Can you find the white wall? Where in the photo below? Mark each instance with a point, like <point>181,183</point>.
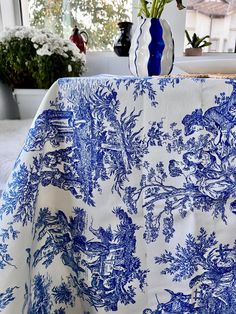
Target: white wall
<point>203,24</point>
<point>191,20</point>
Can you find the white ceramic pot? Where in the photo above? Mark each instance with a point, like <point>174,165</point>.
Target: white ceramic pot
<point>28,101</point>
<point>152,48</point>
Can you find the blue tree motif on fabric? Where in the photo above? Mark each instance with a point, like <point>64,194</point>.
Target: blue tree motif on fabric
<point>209,267</point>
<point>120,147</point>
<point>21,194</point>
<point>62,294</point>
<point>5,258</point>
<point>40,298</point>
<point>140,87</point>
<point>9,233</point>
<point>164,82</point>
<point>109,259</point>
<point>207,166</point>
<point>6,297</point>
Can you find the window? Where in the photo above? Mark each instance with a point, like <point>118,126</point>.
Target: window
<point>98,18</point>
<point>102,25</point>
<point>1,23</point>
<point>216,18</point>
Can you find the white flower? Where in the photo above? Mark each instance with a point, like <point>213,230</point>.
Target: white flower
<point>44,51</point>
<point>39,39</point>
<point>45,42</point>
<point>47,53</point>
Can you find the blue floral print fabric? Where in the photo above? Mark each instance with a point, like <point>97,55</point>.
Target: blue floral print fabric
<point>123,200</point>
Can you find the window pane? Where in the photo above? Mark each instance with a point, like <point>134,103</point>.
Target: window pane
<point>216,18</point>
<point>1,23</point>
<point>98,18</point>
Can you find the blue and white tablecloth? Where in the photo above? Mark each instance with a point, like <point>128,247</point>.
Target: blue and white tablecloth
<point>123,200</point>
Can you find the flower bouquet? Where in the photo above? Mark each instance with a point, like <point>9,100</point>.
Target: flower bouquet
<point>35,58</point>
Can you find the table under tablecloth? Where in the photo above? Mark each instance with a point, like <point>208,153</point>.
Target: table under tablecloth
<point>123,200</point>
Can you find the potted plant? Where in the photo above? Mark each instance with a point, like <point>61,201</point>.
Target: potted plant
<point>152,46</point>
<point>35,58</point>
<point>197,44</point>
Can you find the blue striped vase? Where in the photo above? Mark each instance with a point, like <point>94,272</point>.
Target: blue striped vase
<point>152,48</point>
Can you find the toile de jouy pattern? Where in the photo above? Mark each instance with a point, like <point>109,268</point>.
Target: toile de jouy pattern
<point>123,200</point>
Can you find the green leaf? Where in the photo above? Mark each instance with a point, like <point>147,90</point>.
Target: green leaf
<point>188,37</point>
<point>205,44</point>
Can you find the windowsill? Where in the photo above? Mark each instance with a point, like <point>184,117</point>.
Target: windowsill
<point>208,63</point>
<point>108,62</point>
<point>209,56</point>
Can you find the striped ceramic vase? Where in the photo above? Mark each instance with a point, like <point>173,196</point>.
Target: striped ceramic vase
<point>152,48</point>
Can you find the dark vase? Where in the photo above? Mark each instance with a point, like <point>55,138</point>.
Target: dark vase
<point>122,44</point>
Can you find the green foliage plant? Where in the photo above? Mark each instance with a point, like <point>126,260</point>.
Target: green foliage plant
<point>197,42</point>
<point>34,58</point>
<point>154,8</point>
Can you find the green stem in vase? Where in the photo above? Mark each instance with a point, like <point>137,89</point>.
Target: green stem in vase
<point>153,8</point>
<point>161,8</point>
<point>157,8</point>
